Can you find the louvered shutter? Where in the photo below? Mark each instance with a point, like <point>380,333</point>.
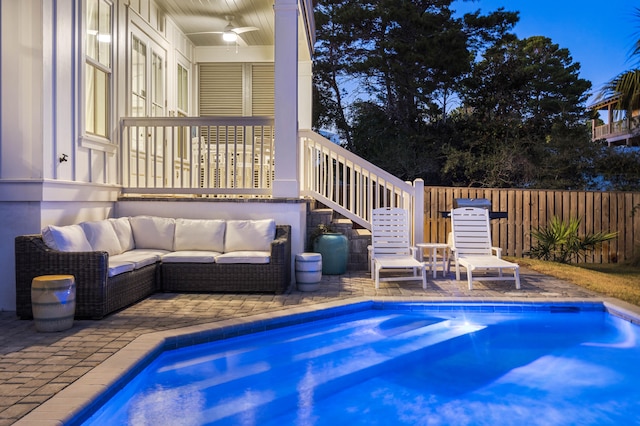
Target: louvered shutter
<point>262,96</point>
<point>220,89</point>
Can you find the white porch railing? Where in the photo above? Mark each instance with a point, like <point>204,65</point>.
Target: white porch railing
<point>354,187</point>
<point>612,129</point>
<point>234,156</point>
<point>220,156</point>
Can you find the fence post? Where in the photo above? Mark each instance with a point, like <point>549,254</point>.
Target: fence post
<point>418,211</point>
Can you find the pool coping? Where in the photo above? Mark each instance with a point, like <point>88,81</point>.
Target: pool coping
<point>72,403</point>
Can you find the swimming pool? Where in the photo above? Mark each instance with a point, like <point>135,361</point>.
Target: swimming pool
<point>400,363</point>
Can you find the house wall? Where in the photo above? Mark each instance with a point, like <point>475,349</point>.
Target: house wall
<point>38,124</point>
<point>41,102</point>
<point>42,107</point>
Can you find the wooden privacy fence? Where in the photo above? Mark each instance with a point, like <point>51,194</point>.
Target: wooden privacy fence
<point>533,209</point>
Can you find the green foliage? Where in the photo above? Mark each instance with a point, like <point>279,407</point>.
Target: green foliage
<point>524,125</point>
<point>619,168</point>
<point>386,74</point>
<point>559,241</point>
<point>321,229</point>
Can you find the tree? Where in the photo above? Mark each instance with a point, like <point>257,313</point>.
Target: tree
<point>524,120</point>
<point>406,58</point>
<point>619,168</point>
<point>332,66</point>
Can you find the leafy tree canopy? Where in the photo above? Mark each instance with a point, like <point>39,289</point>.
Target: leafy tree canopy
<point>388,74</point>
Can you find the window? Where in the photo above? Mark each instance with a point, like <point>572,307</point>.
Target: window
<point>157,85</point>
<point>182,86</point>
<point>138,78</point>
<point>183,90</point>
<point>98,68</point>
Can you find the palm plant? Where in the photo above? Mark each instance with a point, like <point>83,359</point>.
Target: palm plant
<point>559,241</point>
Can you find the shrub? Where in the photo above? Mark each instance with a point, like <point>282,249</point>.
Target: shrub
<point>560,242</point>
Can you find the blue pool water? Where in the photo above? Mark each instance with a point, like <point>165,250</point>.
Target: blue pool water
<point>399,366</point>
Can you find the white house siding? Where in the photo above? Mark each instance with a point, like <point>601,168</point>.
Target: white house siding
<point>42,105</point>
<point>39,122</point>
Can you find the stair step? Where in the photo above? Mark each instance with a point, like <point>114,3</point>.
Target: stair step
<point>325,372</point>
<point>361,233</point>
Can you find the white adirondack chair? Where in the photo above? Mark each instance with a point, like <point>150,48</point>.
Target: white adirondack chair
<point>472,248</point>
<point>391,246</point>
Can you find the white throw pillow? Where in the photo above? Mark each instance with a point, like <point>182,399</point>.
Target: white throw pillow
<point>66,238</point>
<point>102,236</point>
<point>122,227</point>
<point>199,234</point>
<point>249,235</point>
<point>153,232</point>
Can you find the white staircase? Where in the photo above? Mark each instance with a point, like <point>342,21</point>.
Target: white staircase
<point>346,188</point>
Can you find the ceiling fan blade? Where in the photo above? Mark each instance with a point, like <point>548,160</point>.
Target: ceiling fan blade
<point>204,32</point>
<point>241,30</point>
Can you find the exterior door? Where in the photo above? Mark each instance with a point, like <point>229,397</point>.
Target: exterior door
<point>147,99</point>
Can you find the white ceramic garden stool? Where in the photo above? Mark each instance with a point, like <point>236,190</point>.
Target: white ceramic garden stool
<point>53,302</point>
<point>308,271</point>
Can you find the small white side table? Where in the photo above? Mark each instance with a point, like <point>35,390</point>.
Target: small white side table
<point>308,271</point>
<point>433,256</point>
<point>53,302</point>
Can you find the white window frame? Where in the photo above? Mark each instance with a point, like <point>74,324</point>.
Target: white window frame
<point>183,112</point>
<point>89,140</point>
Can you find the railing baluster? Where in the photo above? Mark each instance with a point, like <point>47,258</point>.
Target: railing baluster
<point>348,184</point>
<point>204,155</point>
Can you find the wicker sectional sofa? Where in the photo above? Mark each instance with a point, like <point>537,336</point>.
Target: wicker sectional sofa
<point>117,262</point>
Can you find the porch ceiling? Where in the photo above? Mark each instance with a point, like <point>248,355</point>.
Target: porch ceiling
<point>198,16</point>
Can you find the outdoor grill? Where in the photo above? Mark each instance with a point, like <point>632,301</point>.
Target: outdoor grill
<point>482,203</point>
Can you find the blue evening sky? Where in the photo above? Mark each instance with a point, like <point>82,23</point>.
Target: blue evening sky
<point>599,34</point>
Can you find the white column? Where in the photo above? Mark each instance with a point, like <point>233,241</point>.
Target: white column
<point>286,183</point>
<point>418,212</point>
<point>305,94</point>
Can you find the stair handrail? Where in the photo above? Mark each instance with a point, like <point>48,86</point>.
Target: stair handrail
<point>352,186</point>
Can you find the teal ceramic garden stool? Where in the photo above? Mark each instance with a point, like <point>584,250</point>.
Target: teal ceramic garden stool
<point>334,249</point>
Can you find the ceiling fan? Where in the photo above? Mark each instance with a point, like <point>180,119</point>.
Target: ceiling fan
<point>230,33</point>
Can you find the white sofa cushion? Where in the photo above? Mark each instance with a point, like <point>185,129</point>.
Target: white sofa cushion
<point>102,236</point>
<point>117,267</point>
<point>139,257</point>
<point>66,238</point>
<point>244,257</point>
<point>122,227</point>
<point>199,234</point>
<point>249,235</point>
<point>151,232</point>
<point>190,256</point>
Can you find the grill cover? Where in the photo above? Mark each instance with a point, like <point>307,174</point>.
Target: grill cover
<point>482,203</point>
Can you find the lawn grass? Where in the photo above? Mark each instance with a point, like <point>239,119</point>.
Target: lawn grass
<point>621,281</point>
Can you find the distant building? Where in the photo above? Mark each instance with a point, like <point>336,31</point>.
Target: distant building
<point>618,128</point>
